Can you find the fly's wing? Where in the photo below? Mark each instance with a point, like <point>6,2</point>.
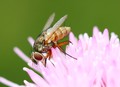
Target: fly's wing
<point>50,31</point>
<point>49,22</point>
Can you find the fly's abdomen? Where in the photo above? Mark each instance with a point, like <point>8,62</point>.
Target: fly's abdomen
<point>60,33</point>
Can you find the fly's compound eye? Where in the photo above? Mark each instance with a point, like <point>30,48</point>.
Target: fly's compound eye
<point>36,57</point>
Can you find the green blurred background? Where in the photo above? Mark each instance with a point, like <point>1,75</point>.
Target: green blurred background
<point>22,18</point>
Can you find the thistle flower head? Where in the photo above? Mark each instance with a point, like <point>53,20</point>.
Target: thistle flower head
<point>97,64</point>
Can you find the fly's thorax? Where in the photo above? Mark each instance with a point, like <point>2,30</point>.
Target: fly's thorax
<point>38,47</point>
<point>39,43</point>
<point>41,46</point>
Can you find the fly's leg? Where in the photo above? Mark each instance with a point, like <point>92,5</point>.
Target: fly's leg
<point>64,43</point>
<point>49,54</point>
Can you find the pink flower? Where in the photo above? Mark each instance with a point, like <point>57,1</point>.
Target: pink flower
<point>97,64</point>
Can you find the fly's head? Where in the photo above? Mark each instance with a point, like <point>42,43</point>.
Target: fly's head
<point>36,56</point>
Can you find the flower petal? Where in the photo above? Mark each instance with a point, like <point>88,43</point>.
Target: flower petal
<point>21,54</point>
<point>9,83</point>
<point>31,41</point>
<point>36,78</point>
<point>28,84</point>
